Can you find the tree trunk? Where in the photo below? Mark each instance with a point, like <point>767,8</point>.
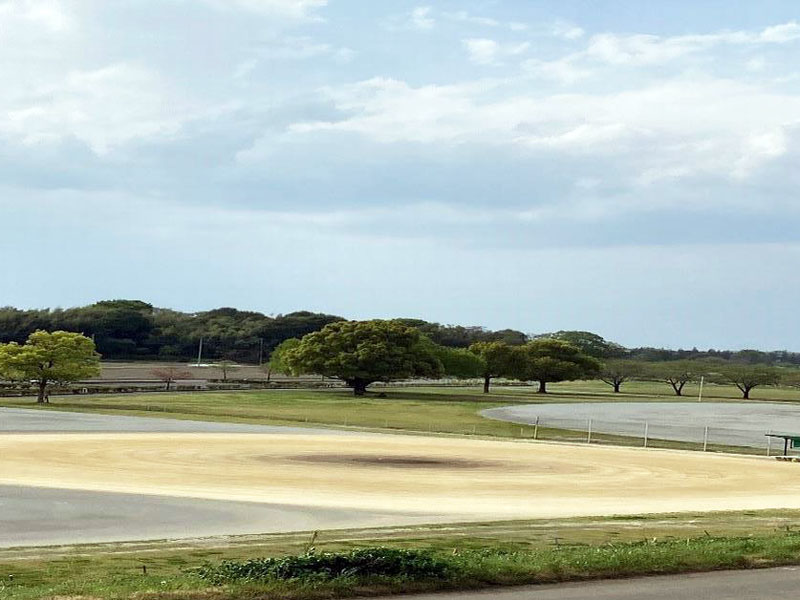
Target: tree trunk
<point>542,387</point>
<point>42,391</point>
<point>486,381</point>
<point>616,387</point>
<point>359,387</point>
<point>746,393</point>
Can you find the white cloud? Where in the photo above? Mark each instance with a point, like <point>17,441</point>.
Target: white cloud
<point>642,49</point>
<point>421,18</point>
<point>49,14</point>
<point>293,9</point>
<point>567,31</point>
<point>677,128</point>
<point>466,17</point>
<point>102,108</point>
<point>483,51</point>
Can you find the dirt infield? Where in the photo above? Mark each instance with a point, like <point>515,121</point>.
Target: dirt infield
<point>454,479</point>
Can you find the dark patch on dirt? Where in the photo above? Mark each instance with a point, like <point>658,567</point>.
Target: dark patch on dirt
<point>371,460</point>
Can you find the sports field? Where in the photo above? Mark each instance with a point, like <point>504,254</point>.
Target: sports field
<point>365,479</point>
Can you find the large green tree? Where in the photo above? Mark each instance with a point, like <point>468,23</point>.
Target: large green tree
<point>748,377</point>
<point>459,363</point>
<point>589,343</point>
<point>45,357</point>
<point>497,359</point>
<point>549,360</point>
<point>363,352</point>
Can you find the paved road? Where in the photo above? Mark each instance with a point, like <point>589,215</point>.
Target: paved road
<point>766,584</point>
<point>22,420</point>
<point>732,423</point>
<point>42,516</point>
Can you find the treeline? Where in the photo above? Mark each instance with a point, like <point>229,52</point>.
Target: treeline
<point>136,330</point>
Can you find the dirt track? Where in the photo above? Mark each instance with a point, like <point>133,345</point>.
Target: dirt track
<point>450,478</point>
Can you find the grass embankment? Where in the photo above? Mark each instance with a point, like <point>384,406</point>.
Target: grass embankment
<point>448,410</point>
<point>479,555</point>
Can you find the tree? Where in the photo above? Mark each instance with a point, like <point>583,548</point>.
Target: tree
<point>60,356</point>
<point>496,357</point>
<point>617,372</point>
<point>747,377</point>
<point>589,343</point>
<point>171,374</point>
<point>363,352</point>
<point>277,360</point>
<point>458,362</point>
<point>226,366</point>
<point>677,373</point>
<point>549,360</point>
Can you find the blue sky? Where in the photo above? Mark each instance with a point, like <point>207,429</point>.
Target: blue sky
<point>625,167</point>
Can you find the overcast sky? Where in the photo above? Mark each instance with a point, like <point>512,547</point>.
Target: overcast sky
<point>625,167</point>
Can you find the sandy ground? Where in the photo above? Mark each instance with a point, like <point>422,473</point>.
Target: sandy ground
<point>454,479</point>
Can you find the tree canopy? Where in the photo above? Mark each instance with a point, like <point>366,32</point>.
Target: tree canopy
<point>45,357</point>
<point>748,377</point>
<point>548,360</point>
<point>363,352</point>
<point>617,371</point>
<point>496,361</point>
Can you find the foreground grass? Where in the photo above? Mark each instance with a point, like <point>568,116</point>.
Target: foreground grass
<point>483,554</point>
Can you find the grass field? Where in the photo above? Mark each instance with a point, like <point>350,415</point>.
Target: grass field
<point>432,409</point>
<point>493,553</point>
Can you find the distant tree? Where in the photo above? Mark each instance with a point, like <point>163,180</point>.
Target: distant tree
<point>677,373</point>
<point>59,357</point>
<point>791,377</point>
<point>277,360</point>
<point>459,363</point>
<point>589,343</point>
<point>363,352</point>
<point>616,372</point>
<point>497,361</point>
<point>748,377</point>
<point>227,366</point>
<point>170,375</point>
<point>549,360</point>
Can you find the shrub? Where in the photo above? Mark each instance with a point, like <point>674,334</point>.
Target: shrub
<point>364,562</point>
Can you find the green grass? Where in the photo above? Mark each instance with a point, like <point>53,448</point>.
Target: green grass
<point>435,410</point>
<point>500,553</point>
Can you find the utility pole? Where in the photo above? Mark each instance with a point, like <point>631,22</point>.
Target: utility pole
<point>200,352</point>
<point>700,395</point>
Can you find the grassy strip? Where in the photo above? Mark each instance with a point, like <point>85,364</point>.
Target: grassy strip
<point>494,553</point>
<point>463,569</point>
<point>418,410</point>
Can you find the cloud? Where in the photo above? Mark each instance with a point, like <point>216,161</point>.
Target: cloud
<point>293,9</point>
<point>567,31</point>
<point>642,49</point>
<point>49,14</point>
<point>102,108</point>
<point>465,17</point>
<point>421,18</point>
<point>483,51</point>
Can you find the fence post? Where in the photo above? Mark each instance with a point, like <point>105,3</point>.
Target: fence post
<point>536,429</point>
<point>705,439</point>
<point>589,433</point>
<point>769,441</point>
<point>646,424</point>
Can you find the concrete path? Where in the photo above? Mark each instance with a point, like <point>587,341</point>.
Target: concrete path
<point>24,420</point>
<point>41,516</point>
<point>730,423</point>
<point>766,584</point>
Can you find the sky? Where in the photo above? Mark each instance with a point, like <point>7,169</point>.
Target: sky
<point>618,166</point>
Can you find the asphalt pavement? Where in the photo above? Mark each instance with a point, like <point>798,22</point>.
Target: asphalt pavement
<point>730,423</point>
<point>762,584</point>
